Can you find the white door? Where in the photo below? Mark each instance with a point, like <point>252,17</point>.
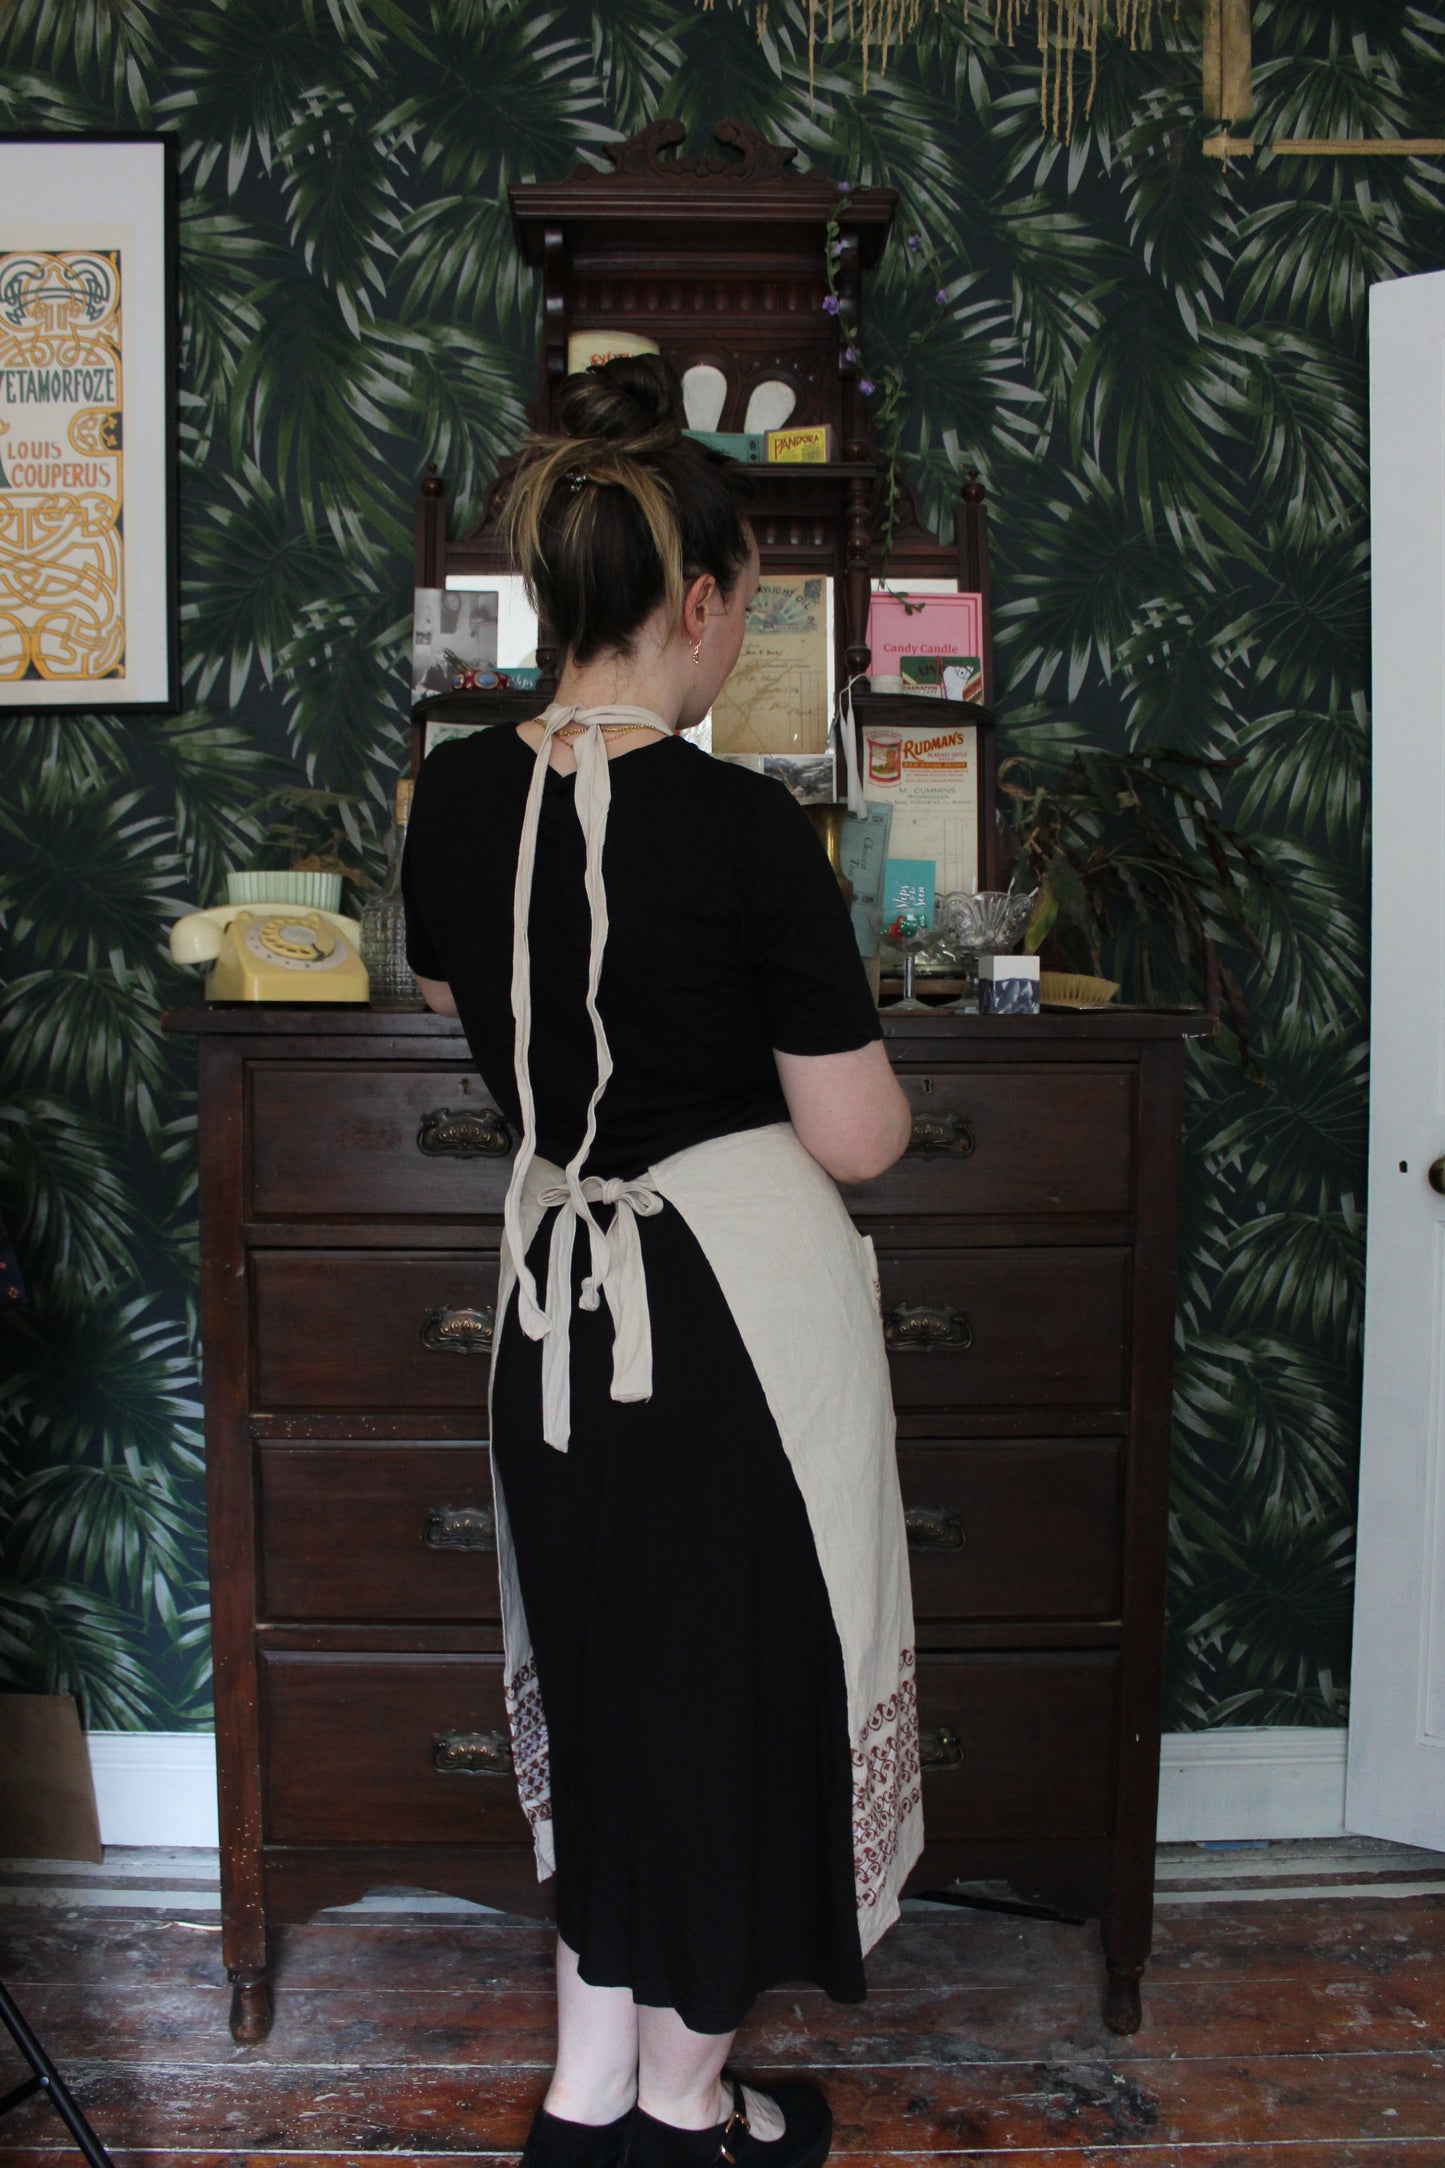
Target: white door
<point>1396,1773</point>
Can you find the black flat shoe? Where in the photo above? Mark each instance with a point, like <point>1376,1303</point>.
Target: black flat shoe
<point>806,2136</point>
<point>553,2142</point>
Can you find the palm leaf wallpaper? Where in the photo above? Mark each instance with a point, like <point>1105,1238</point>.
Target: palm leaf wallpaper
<point>1158,364</point>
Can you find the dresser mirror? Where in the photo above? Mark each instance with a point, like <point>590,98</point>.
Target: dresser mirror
<point>718,261</point>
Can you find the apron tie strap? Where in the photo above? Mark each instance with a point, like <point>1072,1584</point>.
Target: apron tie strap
<point>617,1274</point>
<point>847,728</point>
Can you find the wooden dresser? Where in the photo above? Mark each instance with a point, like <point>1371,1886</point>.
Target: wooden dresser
<point>353,1169</point>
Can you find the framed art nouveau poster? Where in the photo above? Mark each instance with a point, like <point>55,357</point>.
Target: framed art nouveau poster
<point>87,423</point>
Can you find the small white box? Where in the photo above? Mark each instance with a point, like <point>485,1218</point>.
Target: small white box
<point>1008,967</point>
<point>1008,985</point>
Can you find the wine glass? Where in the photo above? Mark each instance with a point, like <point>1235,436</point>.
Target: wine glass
<point>987,922</point>
<point>907,932</point>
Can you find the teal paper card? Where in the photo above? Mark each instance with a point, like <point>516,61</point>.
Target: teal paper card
<point>908,892</point>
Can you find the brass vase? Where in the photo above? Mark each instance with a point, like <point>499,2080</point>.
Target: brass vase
<point>828,821</point>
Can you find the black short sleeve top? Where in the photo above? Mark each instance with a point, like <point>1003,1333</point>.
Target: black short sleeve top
<point>727,937</point>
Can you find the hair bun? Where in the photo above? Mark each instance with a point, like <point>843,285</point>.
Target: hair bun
<point>633,402</point>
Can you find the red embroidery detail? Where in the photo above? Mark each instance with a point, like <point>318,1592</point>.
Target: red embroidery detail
<point>887,1778</point>
<point>529,1744</point>
<point>887,1783</point>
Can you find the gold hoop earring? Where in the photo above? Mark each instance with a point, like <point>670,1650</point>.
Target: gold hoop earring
<point>697,655</point>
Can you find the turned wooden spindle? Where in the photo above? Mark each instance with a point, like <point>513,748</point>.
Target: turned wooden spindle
<point>857,548</point>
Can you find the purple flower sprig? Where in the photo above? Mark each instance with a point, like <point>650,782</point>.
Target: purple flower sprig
<point>888,390</point>
<point>918,252</point>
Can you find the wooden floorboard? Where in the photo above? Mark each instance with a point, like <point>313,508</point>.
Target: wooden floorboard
<point>1021,2106</point>
<point>1289,2034</point>
<point>1386,2153</point>
<point>898,2027</point>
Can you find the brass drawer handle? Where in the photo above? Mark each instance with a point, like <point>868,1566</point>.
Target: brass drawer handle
<point>939,1749</point>
<point>460,1528</point>
<point>464,1133</point>
<point>459,1332</point>
<point>472,1754</point>
<point>930,1528</point>
<point>919,1327</point>
<point>940,1136</point>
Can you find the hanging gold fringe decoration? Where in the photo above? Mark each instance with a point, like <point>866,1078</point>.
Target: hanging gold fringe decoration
<point>1065,28</point>
<point>880,23</point>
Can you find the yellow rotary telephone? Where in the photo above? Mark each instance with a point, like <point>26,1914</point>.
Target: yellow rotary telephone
<point>273,952</point>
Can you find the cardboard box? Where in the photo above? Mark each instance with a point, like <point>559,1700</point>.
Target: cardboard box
<point>811,447</point>
<point>47,1796</point>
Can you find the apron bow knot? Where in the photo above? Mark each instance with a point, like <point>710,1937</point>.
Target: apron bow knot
<point>616,1252</point>
<point>617,1272</point>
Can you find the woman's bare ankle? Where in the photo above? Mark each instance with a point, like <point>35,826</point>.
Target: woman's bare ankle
<point>702,2108</point>
<point>595,2104</point>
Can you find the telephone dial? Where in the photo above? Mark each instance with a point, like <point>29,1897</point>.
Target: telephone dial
<point>273,952</point>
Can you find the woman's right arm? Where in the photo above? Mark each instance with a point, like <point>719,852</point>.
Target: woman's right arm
<point>848,1109</point>
<point>842,1097</point>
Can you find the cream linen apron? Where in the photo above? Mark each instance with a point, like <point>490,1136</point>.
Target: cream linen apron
<point>802,1286</point>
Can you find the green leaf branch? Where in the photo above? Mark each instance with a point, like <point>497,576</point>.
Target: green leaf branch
<point>1135,868</point>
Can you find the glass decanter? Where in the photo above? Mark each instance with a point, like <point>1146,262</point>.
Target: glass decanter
<point>390,978</point>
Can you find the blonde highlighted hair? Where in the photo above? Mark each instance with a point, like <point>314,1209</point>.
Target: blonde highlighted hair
<point>620,511</point>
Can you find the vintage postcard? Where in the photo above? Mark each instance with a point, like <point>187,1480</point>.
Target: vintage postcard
<point>930,779</point>
<point>777,699</point>
<point>916,623</point>
<point>452,633</point>
<point>809,776</point>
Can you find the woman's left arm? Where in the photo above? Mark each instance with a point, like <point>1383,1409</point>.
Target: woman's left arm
<point>428,965</point>
<point>436,994</point>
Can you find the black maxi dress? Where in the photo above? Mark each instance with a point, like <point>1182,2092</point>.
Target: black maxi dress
<point>687,1657</point>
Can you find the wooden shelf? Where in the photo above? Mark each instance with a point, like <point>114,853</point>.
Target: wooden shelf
<point>831,470</point>
<point>496,706</point>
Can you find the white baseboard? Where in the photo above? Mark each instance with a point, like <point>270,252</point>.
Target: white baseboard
<point>1272,1781</point>
<point>155,1787</point>
<point>159,1787</point>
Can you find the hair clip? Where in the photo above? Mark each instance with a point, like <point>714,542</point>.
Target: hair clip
<point>577,477</point>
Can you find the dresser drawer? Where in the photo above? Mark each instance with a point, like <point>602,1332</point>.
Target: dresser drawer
<point>1018,1746</point>
<point>1045,1139</point>
<point>1007,1327</point>
<point>1024,1529</point>
<point>375,1140</point>
<point>357,1531</point>
<point>387,1750</point>
<point>385,1328</point>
